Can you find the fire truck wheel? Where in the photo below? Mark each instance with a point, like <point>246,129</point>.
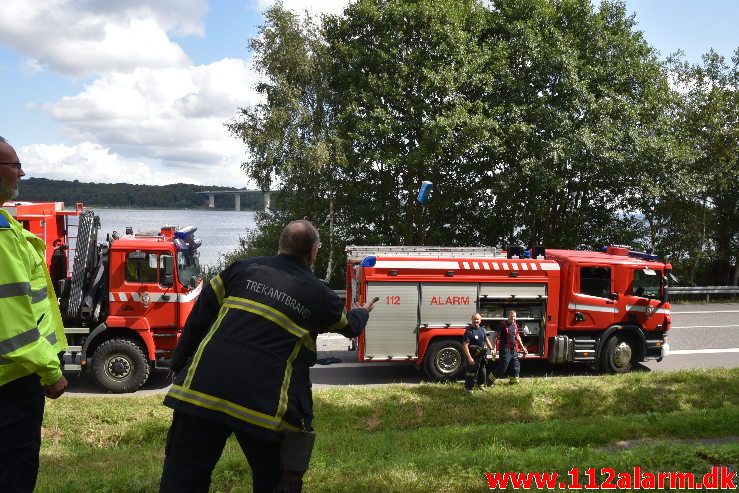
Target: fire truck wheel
<point>120,365</point>
<point>618,354</point>
<point>444,360</point>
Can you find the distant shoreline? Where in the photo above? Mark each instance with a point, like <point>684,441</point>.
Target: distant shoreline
<point>145,197</point>
<point>158,208</point>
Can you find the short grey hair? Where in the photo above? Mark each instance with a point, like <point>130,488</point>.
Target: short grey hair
<point>298,238</point>
<point>2,139</point>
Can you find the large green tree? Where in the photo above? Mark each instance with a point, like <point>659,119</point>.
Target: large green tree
<point>582,92</point>
<point>538,121</point>
<point>704,212</point>
<point>408,76</point>
<point>531,118</point>
<point>291,141</point>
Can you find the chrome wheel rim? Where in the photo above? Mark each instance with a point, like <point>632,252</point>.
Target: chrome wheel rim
<point>622,355</point>
<point>448,360</point>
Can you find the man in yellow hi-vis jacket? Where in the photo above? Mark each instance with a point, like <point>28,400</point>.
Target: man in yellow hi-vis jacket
<point>31,337</point>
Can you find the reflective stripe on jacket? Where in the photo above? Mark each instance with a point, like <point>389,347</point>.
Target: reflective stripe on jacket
<point>31,329</point>
<point>244,354</point>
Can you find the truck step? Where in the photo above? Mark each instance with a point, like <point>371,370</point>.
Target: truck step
<point>162,363</point>
<point>73,349</point>
<point>76,330</point>
<point>71,367</point>
<point>584,355</point>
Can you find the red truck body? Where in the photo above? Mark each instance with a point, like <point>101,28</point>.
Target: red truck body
<point>125,301</point>
<point>607,309</point>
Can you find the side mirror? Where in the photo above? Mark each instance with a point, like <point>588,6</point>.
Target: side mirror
<point>167,266</point>
<point>193,283</point>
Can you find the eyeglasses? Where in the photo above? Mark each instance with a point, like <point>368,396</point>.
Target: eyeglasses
<point>16,166</point>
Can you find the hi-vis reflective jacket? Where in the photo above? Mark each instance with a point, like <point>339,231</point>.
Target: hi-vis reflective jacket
<point>244,354</point>
<point>31,330</point>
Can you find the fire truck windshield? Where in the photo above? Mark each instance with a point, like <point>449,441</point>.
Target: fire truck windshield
<point>188,267</point>
<point>647,283</point>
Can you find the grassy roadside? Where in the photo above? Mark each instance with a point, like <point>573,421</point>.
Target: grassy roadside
<point>427,438</point>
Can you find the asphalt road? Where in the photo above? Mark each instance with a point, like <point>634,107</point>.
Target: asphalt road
<point>702,336</point>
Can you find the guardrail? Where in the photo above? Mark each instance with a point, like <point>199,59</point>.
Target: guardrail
<point>706,290</point>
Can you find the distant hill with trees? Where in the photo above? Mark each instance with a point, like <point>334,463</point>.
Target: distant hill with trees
<point>177,196</point>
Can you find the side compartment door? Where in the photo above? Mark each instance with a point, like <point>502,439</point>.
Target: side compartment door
<point>447,304</point>
<point>392,330</point>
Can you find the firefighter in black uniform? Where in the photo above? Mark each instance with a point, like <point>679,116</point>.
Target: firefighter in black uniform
<point>510,343</point>
<point>241,366</point>
<point>474,344</point>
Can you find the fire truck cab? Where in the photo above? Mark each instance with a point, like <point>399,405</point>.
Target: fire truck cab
<point>123,301</point>
<point>606,309</point>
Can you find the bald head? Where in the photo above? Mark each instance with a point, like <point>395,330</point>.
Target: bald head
<point>299,239</point>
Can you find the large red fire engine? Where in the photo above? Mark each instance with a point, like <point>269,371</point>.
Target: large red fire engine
<point>607,309</point>
<point>124,301</point>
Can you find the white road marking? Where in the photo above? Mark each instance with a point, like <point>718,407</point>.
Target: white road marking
<point>704,326</point>
<point>704,351</point>
<point>704,313</point>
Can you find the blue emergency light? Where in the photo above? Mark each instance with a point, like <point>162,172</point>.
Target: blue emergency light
<point>424,192</point>
<point>185,239</point>
<point>369,261</point>
<point>643,255</point>
<point>185,232</point>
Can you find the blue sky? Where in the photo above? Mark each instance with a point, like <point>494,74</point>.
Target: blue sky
<point>138,91</point>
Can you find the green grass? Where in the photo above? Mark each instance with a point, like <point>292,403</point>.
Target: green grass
<point>427,438</point>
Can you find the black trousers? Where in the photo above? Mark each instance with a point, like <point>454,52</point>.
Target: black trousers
<point>194,446</point>
<point>21,414</point>
<point>508,363</point>
<point>475,373</point>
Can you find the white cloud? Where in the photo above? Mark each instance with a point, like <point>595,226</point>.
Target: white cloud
<point>312,6</point>
<point>90,162</point>
<point>31,66</point>
<point>82,37</point>
<point>175,115</point>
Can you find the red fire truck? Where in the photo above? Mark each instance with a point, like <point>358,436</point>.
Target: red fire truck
<point>123,301</point>
<point>607,309</point>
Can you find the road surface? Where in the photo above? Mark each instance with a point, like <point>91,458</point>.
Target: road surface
<point>702,336</point>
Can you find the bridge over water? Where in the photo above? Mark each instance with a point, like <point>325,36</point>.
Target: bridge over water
<point>237,196</point>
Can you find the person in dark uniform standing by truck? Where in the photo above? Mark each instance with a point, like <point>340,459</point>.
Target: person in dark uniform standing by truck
<point>510,344</point>
<point>241,366</point>
<point>474,344</point>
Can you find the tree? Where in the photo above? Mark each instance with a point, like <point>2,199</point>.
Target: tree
<point>531,118</point>
<point>705,235</point>
<point>290,137</point>
<point>581,92</point>
<point>407,76</point>
<point>537,121</point>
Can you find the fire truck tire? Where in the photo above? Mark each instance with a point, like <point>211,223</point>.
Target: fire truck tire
<point>618,354</point>
<point>120,365</point>
<point>444,360</point>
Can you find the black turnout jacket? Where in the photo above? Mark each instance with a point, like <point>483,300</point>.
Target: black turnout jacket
<point>244,354</point>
